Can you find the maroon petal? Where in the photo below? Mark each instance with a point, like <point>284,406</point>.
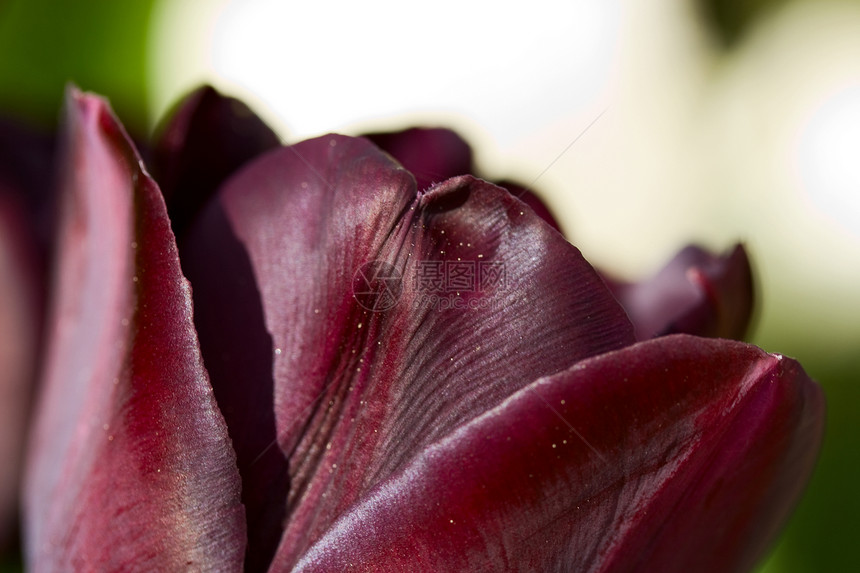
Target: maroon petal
<point>372,357</point>
<point>25,208</point>
<point>26,156</point>
<point>237,349</point>
<point>695,293</point>
<point>20,316</point>
<point>431,154</point>
<point>529,197</point>
<point>434,154</point>
<point>678,454</point>
<point>130,465</point>
<point>26,172</point>
<point>206,139</point>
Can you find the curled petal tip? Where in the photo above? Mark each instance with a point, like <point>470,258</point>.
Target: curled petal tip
<point>695,293</point>
<point>207,138</point>
<point>431,154</point>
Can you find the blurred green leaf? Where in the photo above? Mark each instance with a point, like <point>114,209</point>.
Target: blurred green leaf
<point>99,44</point>
<point>730,20</point>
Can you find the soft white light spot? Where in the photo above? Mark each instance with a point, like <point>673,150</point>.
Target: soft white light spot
<point>829,158</point>
<point>321,66</point>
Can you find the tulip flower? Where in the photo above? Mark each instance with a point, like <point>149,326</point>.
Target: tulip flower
<point>25,160</point>
<point>696,293</point>
<point>374,376</point>
<point>435,154</point>
<point>18,334</point>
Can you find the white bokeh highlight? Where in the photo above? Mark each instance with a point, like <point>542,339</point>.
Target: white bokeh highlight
<point>324,66</point>
<point>829,158</point>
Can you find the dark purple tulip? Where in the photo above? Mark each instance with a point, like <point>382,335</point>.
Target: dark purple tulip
<point>528,197</point>
<point>26,171</point>
<point>434,154</point>
<point>130,466</point>
<point>208,137</point>
<point>25,211</point>
<point>401,380</point>
<point>695,293</point>
<point>430,154</point>
<point>19,331</point>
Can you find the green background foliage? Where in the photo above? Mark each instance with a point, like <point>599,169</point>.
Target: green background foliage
<point>101,45</point>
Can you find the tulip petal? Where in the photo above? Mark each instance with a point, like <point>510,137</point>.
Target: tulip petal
<point>677,454</point>
<point>528,197</point>
<point>206,139</point>
<point>26,169</point>
<point>237,350</point>
<point>130,466</point>
<point>431,154</point>
<point>372,356</point>
<point>434,154</point>
<point>695,293</point>
<point>26,156</point>
<point>19,319</point>
<point>25,208</point>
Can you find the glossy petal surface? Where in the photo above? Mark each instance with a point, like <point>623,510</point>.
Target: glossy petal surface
<point>431,154</point>
<point>130,465</point>
<point>434,154</point>
<point>695,293</point>
<point>678,454</point>
<point>528,197</point>
<point>373,358</point>
<point>206,139</point>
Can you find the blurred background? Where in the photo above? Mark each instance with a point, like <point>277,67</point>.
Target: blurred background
<point>645,125</point>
